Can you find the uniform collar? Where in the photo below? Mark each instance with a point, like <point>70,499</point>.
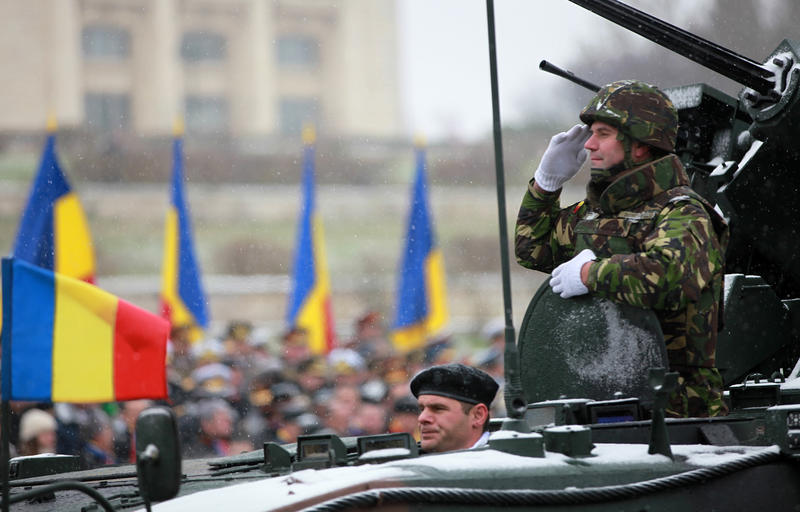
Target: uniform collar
<point>482,441</point>
<point>640,184</point>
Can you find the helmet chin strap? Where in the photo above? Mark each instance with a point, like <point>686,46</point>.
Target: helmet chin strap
<point>627,147</point>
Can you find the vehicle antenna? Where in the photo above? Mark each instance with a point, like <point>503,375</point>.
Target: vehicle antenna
<point>5,409</point>
<point>515,403</point>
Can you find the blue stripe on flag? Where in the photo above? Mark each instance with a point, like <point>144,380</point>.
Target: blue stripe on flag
<point>190,288</point>
<point>34,242</point>
<point>412,297</point>
<point>33,309</point>
<point>304,271</point>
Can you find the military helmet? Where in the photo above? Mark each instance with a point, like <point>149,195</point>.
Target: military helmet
<point>637,109</point>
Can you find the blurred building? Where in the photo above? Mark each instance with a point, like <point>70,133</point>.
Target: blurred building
<point>239,68</point>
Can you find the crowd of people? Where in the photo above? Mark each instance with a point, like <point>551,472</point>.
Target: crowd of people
<point>232,394</point>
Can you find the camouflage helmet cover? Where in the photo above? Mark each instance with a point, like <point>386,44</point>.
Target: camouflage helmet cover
<point>637,109</point>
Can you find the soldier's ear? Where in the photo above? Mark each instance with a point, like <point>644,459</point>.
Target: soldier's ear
<point>478,414</point>
<point>639,151</point>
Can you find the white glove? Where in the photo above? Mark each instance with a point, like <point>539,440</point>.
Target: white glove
<point>566,278</point>
<point>563,158</point>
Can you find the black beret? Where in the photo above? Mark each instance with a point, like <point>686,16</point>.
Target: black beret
<point>458,381</point>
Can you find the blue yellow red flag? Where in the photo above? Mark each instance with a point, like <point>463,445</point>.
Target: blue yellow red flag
<point>65,340</point>
<point>310,298</point>
<point>183,300</point>
<point>421,309</point>
<point>53,232</point>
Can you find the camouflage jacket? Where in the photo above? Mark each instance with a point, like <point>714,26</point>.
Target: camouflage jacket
<point>659,246</point>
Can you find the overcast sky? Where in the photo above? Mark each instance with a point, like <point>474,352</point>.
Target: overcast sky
<point>445,60</point>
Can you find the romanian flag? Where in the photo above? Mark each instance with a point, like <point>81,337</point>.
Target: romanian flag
<point>183,301</point>
<point>65,340</point>
<point>421,309</point>
<point>310,301</point>
<point>53,232</point>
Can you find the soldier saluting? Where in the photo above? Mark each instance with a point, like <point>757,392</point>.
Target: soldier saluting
<point>641,236</point>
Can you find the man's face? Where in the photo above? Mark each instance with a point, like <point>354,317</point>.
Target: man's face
<point>605,151</point>
<point>46,441</point>
<point>443,424</point>
<point>219,426</point>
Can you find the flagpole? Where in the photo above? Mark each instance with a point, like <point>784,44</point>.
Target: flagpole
<point>5,410</point>
<point>515,403</point>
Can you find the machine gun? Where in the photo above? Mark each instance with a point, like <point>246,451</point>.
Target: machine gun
<point>569,75</point>
<point>753,136</point>
<point>741,155</point>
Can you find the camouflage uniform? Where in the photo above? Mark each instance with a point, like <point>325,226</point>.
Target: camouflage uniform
<point>659,246</point>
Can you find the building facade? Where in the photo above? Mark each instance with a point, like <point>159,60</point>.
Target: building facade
<point>234,68</point>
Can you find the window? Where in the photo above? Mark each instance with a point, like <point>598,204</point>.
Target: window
<point>206,114</point>
<point>200,46</point>
<point>298,51</point>
<point>106,42</point>
<point>297,112</point>
<point>107,113</point>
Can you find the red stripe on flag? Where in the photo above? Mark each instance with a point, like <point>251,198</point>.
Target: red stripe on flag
<point>166,310</point>
<point>140,354</point>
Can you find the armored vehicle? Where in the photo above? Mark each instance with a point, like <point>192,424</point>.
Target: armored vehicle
<point>585,431</point>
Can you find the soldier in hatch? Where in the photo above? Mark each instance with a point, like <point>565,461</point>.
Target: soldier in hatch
<point>454,401</point>
<point>641,236</point>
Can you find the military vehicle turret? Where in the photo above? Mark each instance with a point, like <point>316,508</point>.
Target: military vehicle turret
<point>602,444</point>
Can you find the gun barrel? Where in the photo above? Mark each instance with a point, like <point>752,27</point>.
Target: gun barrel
<point>717,58</point>
<point>563,73</point>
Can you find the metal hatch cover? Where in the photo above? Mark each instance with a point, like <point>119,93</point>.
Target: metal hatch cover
<point>586,347</point>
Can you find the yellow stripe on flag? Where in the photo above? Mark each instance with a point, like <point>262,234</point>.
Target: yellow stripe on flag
<point>437,294</point>
<point>169,269</point>
<point>313,315</point>
<point>415,336</point>
<point>410,338</point>
<point>83,342</point>
<point>73,243</point>
<point>179,314</point>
